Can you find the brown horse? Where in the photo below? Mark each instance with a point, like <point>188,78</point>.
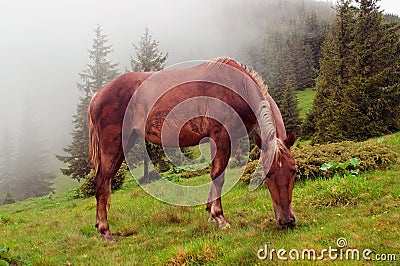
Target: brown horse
<point>221,100</point>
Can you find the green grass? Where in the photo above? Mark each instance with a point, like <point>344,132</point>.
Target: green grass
<point>305,99</point>
<point>63,183</point>
<point>58,230</point>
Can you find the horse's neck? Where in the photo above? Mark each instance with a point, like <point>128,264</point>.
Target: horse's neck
<point>279,125</point>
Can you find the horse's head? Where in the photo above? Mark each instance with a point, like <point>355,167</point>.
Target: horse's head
<point>280,181</point>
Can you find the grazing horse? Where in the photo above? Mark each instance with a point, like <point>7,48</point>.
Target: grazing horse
<point>225,93</point>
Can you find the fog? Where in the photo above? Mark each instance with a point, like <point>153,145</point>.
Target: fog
<point>44,45</point>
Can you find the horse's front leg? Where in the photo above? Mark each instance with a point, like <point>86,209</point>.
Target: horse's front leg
<point>221,149</point>
<point>214,204</point>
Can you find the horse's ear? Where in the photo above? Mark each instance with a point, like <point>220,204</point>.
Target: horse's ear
<point>291,138</point>
<point>257,139</point>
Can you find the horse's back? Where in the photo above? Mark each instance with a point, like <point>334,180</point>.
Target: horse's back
<point>109,103</point>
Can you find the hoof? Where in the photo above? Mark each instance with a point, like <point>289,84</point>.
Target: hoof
<point>222,223</point>
<point>108,237</point>
<point>226,227</point>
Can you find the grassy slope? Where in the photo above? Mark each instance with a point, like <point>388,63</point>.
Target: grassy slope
<point>58,230</point>
<point>305,99</point>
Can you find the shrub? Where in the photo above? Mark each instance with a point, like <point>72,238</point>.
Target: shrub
<point>235,163</point>
<point>151,177</point>
<point>87,187</point>
<point>254,153</point>
<point>195,173</point>
<point>248,171</point>
<point>372,155</point>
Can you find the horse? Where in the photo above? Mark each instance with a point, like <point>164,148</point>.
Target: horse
<point>225,93</point>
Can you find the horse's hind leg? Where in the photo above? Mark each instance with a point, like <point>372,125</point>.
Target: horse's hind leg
<point>111,156</point>
<point>221,149</point>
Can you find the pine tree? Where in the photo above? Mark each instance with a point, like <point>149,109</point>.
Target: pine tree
<point>372,97</point>
<point>358,87</point>
<point>147,58</point>
<point>323,121</point>
<point>301,58</point>
<point>282,82</point>
<point>7,161</point>
<point>31,177</point>
<point>96,75</point>
<point>314,36</point>
<point>289,105</point>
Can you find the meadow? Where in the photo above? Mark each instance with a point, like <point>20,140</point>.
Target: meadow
<point>336,218</point>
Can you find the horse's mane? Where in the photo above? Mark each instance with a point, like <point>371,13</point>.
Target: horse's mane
<point>257,78</point>
<point>264,113</point>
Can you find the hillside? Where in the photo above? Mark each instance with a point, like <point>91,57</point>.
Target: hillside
<point>59,230</point>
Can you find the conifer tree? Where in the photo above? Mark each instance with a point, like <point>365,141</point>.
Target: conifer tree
<point>7,161</point>
<point>288,105</point>
<point>358,89</point>
<point>301,59</point>
<point>148,57</point>
<point>282,82</point>
<point>97,74</point>
<point>373,95</point>
<point>322,123</point>
<point>31,175</point>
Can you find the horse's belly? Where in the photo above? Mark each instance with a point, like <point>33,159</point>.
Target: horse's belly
<point>176,132</point>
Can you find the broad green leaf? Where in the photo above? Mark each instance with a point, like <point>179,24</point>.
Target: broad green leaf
<point>380,140</point>
<point>344,165</point>
<point>355,171</point>
<point>326,166</point>
<point>354,161</point>
<point>4,263</point>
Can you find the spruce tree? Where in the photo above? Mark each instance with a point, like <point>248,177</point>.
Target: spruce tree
<point>31,177</point>
<point>97,74</point>
<point>7,161</point>
<point>301,58</point>
<point>373,95</point>
<point>147,58</point>
<point>322,121</point>
<point>282,82</point>
<point>288,105</point>
<point>358,87</point>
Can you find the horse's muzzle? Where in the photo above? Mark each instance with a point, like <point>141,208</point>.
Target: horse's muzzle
<point>289,224</point>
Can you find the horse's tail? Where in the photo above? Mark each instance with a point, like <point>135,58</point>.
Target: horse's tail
<point>93,141</point>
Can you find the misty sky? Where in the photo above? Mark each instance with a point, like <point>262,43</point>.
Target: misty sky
<point>44,45</point>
